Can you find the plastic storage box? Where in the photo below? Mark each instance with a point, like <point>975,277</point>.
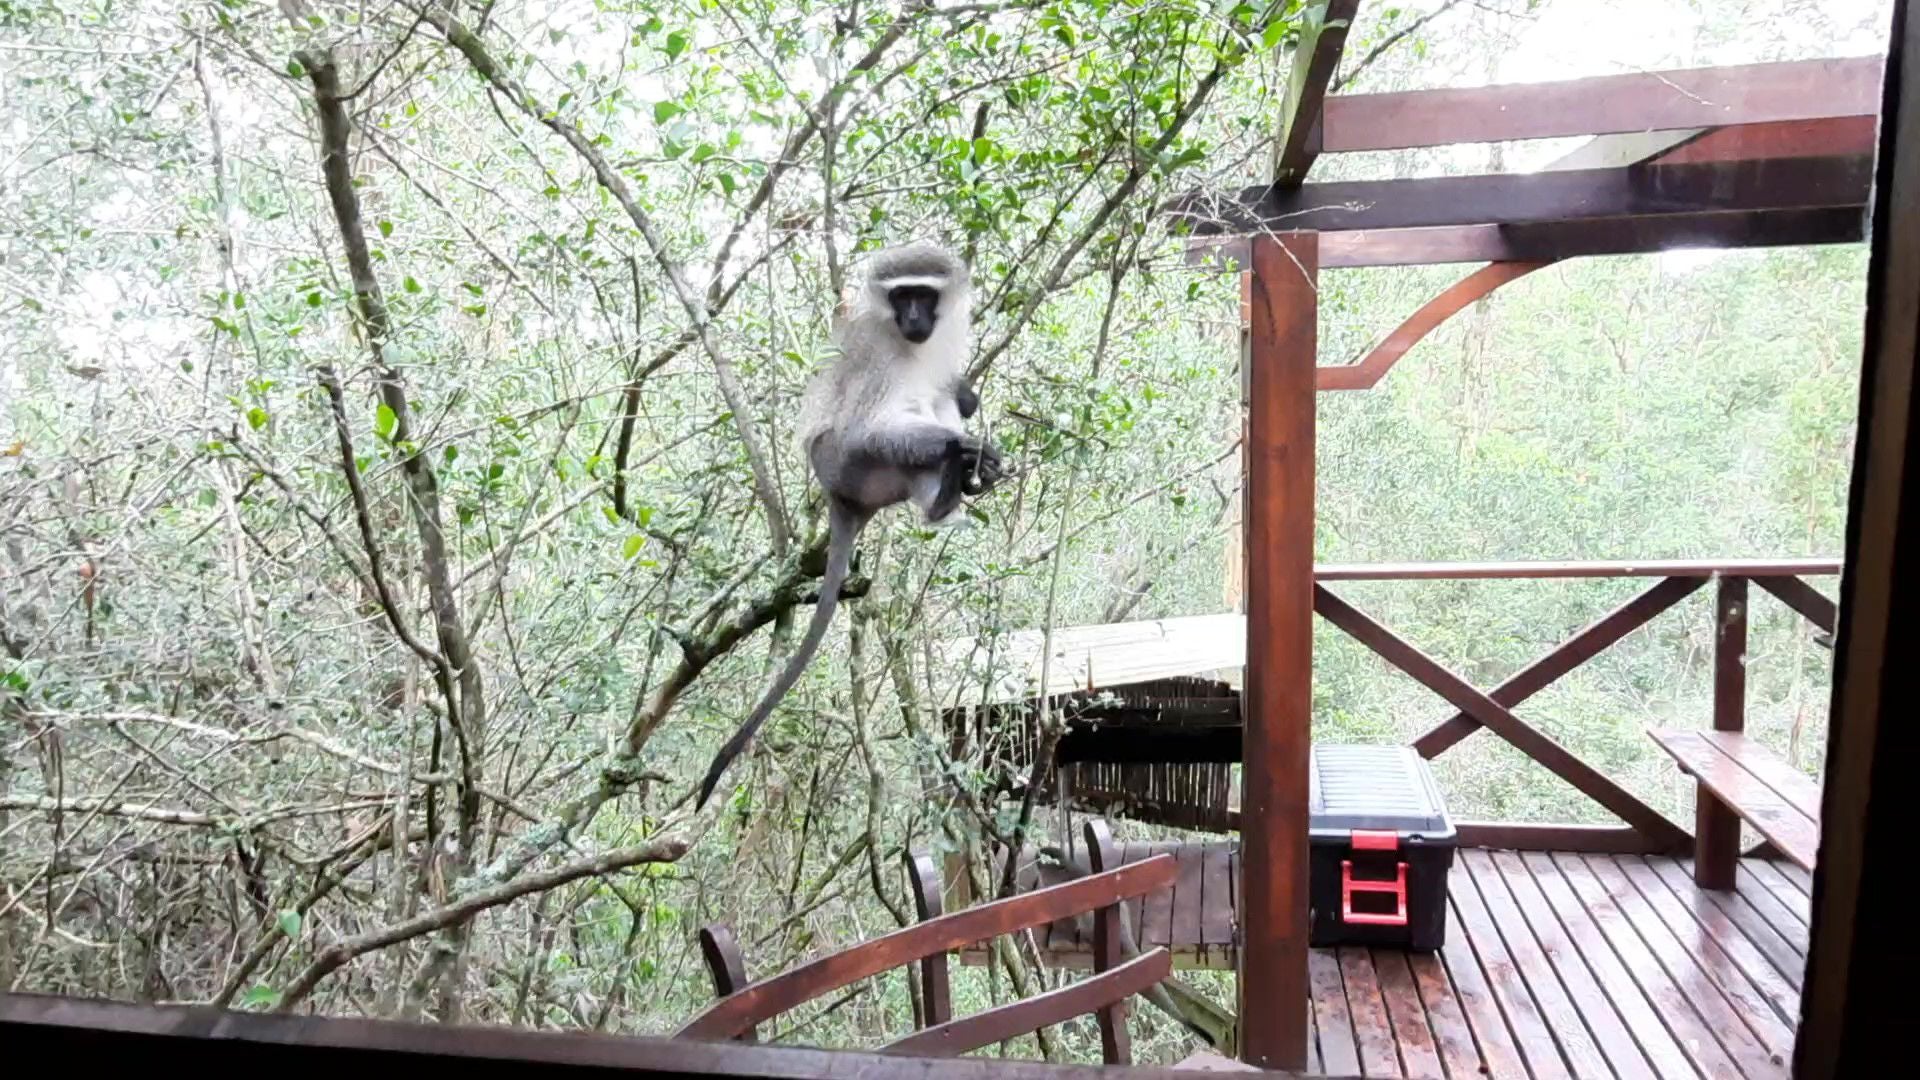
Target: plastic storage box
<point>1381,846</point>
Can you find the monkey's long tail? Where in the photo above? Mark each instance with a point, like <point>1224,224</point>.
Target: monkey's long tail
<point>843,529</point>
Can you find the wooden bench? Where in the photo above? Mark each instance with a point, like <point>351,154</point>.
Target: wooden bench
<point>1741,780</point>
<point>743,1006</point>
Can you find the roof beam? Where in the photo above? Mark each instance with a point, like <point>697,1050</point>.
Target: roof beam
<point>1561,239</point>
<point>1608,104</point>
<point>1834,137</point>
<point>1625,148</point>
<point>1322,38</point>
<point>1500,199</point>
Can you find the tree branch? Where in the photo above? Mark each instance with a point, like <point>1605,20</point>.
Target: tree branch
<point>334,956</point>
<point>758,460</point>
<point>467,709</point>
<point>1388,42</point>
<point>1230,59</point>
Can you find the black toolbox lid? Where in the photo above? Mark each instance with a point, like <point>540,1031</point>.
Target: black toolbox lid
<point>1373,787</point>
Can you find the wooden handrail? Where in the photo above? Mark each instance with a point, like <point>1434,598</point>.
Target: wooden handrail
<point>1471,571</point>
<point>731,1016</point>
<point>1053,1007</point>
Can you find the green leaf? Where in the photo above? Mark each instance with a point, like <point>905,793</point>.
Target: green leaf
<point>633,545</point>
<point>410,285</point>
<point>289,922</point>
<point>676,44</point>
<point>664,111</point>
<point>313,299</point>
<point>257,417</point>
<point>450,453</point>
<point>261,995</point>
<point>384,421</point>
<point>295,69</point>
<point>1276,31</point>
<point>386,227</point>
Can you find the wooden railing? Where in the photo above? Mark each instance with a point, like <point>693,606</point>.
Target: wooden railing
<point>743,1006</point>
<point>1646,829</point>
<point>202,1040</point>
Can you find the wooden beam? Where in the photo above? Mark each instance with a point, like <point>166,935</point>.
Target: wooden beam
<point>1838,136</point>
<point>1570,654</point>
<point>1716,827</point>
<point>1853,1010</point>
<point>1625,148</point>
<point>1640,101</point>
<point>725,964</point>
<point>1381,358</point>
<point>201,1040</point>
<point>1802,598</point>
<point>1530,740</point>
<point>1557,240</point>
<point>1322,37</point>
<point>1586,839</point>
<point>1536,198</point>
<point>1156,745</point>
<point>1279,672</point>
<point>973,1031</point>
<point>1116,1046</point>
<point>1491,571</point>
<point>936,991</point>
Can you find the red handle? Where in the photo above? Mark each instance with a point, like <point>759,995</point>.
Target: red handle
<point>1398,887</point>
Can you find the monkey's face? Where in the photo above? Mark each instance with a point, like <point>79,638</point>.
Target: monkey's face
<point>915,309</point>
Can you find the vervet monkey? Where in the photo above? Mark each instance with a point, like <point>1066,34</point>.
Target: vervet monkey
<point>884,424</point>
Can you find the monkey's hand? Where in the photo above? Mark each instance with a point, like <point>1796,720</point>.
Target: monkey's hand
<point>965,399</point>
<point>983,466</point>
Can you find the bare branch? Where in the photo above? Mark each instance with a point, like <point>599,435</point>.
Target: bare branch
<point>460,911</point>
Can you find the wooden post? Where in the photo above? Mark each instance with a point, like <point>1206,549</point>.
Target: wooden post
<point>935,994</point>
<point>1858,997</point>
<point>1116,1047</point>
<point>1279,676</point>
<point>725,964</point>
<point>1716,828</point>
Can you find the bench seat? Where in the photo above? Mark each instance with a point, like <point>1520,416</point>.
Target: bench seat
<point>1762,788</point>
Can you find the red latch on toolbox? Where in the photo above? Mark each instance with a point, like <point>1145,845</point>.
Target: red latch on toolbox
<point>1375,840</point>
<point>1397,887</point>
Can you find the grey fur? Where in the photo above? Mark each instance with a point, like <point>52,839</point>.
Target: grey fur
<point>884,424</point>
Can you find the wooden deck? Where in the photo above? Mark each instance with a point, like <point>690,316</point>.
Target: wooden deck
<point>1556,965</point>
